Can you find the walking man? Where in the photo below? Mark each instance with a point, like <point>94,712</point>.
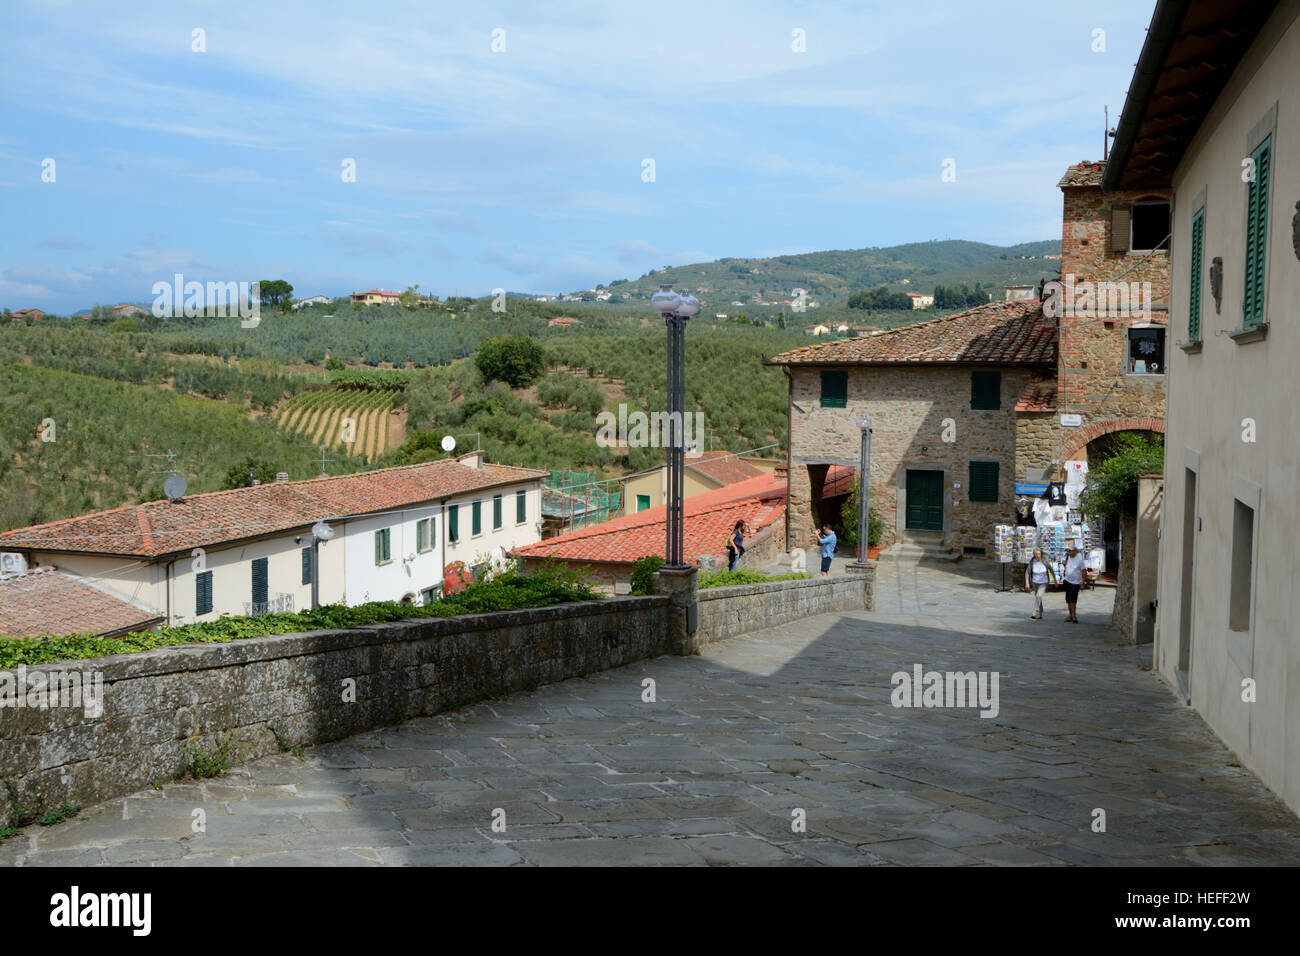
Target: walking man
<point>1073,579</point>
<point>827,540</point>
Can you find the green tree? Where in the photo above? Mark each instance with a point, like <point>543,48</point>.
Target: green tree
<point>241,475</point>
<point>516,361</point>
<point>411,297</point>
<point>849,521</point>
<point>1112,484</point>
<point>275,291</point>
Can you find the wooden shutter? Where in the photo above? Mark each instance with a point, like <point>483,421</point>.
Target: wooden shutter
<point>306,565</point>
<point>476,517</point>
<point>1257,236</point>
<point>1120,219</point>
<point>453,522</point>
<point>521,507</point>
<point>203,593</point>
<point>835,389</point>
<point>986,390</point>
<point>1197,265</point>
<point>983,481</point>
<point>496,512</point>
<point>259,586</point>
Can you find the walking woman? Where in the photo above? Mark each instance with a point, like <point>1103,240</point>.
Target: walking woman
<point>1038,574</point>
<point>1073,580</point>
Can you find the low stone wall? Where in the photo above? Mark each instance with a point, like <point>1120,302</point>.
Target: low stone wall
<point>727,612</point>
<point>300,689</point>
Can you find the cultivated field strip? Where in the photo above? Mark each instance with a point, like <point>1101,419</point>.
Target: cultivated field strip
<point>319,415</point>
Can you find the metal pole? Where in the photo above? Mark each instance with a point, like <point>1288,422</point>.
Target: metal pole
<point>864,495</point>
<point>315,572</point>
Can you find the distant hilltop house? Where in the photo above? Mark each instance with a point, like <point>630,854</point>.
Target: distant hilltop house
<point>816,330</point>
<point>377,297</point>
<point>866,329</point>
<point>920,300</point>
<point>314,300</point>
<point>563,322</point>
<point>24,314</point>
<point>129,309</point>
<point>544,298</point>
<point>1020,293</point>
<point>394,534</point>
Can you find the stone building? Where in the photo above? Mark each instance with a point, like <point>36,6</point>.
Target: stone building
<point>965,407</point>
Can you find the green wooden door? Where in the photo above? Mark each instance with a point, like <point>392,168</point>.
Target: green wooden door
<point>925,500</point>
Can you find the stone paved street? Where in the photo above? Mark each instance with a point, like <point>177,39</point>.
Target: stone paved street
<point>738,740</point>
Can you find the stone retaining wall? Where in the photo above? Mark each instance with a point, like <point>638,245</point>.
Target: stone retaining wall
<point>727,612</point>
<point>292,689</point>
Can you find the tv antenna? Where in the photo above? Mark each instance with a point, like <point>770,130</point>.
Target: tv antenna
<point>171,461</point>
<point>323,459</point>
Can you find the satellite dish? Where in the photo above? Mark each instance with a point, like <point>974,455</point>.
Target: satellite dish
<point>174,488</point>
<point>448,443</point>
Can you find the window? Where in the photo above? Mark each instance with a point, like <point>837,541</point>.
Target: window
<point>424,535</point>
<point>306,565</point>
<point>1150,226</point>
<point>1243,548</point>
<point>429,595</point>
<point>1146,351</point>
<point>983,481</point>
<point>203,593</point>
<point>453,523</point>
<point>521,506</point>
<point>642,502</point>
<point>383,546</point>
<point>496,512</point>
<point>259,586</point>
<point>1196,269</point>
<point>476,518</point>
<point>1252,309</point>
<point>835,389</point>
<point>986,390</point>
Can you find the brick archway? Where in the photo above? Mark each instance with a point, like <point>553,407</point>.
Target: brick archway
<point>1078,441</point>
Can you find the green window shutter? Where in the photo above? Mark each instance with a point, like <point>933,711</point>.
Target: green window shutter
<point>642,502</point>
<point>306,565</point>
<point>496,512</point>
<point>1257,236</point>
<point>476,517</point>
<point>383,546</point>
<point>983,481</point>
<point>378,548</point>
<point>453,522</point>
<point>259,586</point>
<point>835,389</point>
<point>203,593</point>
<point>388,544</point>
<point>1197,266</point>
<point>986,390</point>
<point>521,507</point>
<point>420,531</point>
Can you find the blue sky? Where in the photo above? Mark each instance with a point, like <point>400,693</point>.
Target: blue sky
<point>522,169</point>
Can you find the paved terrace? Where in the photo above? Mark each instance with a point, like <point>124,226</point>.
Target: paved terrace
<point>797,717</point>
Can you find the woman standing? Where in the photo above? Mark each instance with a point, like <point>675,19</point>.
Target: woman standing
<point>1038,573</point>
<point>735,545</point>
<point>1073,580</point>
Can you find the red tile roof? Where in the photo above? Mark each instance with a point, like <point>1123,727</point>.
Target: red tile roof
<point>839,480</point>
<point>47,601</point>
<point>726,468</point>
<point>1086,173</point>
<point>164,527</point>
<point>706,521</point>
<point>999,333</point>
<point>1038,396</point>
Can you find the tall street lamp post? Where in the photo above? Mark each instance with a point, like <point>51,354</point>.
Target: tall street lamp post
<point>864,488</point>
<point>677,310</point>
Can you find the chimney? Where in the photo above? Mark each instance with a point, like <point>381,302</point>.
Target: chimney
<point>474,459</point>
<point>781,473</point>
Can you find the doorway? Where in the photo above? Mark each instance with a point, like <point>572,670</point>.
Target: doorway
<point>924,501</point>
<point>1188,582</point>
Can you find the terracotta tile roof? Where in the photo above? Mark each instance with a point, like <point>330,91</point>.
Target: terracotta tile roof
<point>706,521</point>
<point>47,601</point>
<point>164,527</point>
<point>726,468</point>
<point>839,480</point>
<point>1086,173</point>
<point>999,333</point>
<point>1039,395</point>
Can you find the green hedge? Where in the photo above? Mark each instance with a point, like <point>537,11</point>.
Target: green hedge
<point>508,591</point>
<point>722,579</point>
